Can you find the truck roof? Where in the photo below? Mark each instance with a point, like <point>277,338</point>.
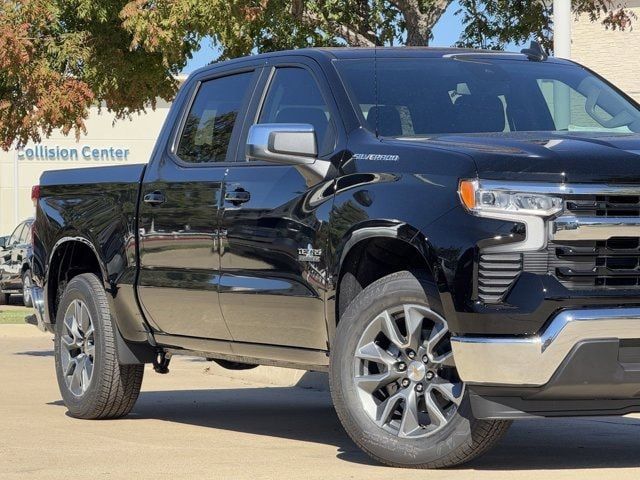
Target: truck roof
<point>329,53</point>
<point>387,52</point>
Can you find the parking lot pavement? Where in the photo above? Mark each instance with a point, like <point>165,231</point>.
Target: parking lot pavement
<point>192,425</point>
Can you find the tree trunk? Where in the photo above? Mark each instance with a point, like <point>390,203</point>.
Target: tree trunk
<point>420,16</point>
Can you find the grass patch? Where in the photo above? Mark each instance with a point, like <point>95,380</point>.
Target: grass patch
<point>12,316</point>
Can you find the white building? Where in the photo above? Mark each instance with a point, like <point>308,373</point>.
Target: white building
<point>613,54</point>
<point>106,143</point>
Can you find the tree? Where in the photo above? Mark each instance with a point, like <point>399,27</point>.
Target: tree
<point>59,57</point>
<point>494,23</point>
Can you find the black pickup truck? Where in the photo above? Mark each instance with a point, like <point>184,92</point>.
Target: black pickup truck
<point>453,235</point>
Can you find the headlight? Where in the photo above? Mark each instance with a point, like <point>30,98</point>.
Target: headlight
<point>479,199</point>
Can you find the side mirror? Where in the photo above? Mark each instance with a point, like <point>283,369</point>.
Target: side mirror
<point>288,144</point>
<point>3,241</point>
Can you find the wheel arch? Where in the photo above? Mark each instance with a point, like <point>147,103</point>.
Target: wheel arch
<point>69,257</point>
<point>374,250</point>
<point>76,255</point>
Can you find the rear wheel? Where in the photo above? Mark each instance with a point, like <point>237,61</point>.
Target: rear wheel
<point>394,382</point>
<point>92,382</point>
<point>26,289</point>
<point>4,298</point>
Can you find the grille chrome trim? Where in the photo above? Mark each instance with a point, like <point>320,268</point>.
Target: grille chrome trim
<point>571,227</point>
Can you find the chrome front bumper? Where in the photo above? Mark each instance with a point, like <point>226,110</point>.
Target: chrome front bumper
<point>532,361</point>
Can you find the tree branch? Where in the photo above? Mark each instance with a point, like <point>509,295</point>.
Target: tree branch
<point>346,32</point>
<point>420,16</point>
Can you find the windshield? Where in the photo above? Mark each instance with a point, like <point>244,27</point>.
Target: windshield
<point>421,97</point>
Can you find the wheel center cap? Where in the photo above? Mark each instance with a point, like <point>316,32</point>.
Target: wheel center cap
<point>416,371</point>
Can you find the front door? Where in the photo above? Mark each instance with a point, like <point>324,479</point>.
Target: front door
<point>181,197</point>
<point>274,227</point>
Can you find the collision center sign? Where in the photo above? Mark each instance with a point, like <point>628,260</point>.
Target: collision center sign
<point>84,152</point>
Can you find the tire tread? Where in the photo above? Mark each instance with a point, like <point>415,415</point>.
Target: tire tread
<point>484,433</point>
<point>119,385</point>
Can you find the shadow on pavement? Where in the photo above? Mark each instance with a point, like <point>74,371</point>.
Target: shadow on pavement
<point>286,412</point>
<point>307,415</point>
<point>569,443</point>
<point>37,353</point>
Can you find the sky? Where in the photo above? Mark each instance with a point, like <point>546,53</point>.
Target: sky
<point>445,34</point>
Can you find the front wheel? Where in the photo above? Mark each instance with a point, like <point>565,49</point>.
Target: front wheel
<point>92,382</point>
<point>394,383</point>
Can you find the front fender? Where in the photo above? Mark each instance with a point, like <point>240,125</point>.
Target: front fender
<point>376,229</point>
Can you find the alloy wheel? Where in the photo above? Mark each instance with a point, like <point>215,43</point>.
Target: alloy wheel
<point>405,374</point>
<point>77,348</point>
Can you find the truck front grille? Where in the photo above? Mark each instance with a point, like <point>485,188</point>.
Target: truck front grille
<point>594,263</point>
<point>605,206</point>
<point>496,274</point>
<point>603,264</point>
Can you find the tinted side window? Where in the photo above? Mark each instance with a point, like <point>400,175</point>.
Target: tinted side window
<point>207,130</point>
<point>294,97</point>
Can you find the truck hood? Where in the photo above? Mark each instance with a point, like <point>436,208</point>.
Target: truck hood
<point>545,156</point>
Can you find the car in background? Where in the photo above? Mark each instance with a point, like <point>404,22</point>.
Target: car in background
<point>15,270</point>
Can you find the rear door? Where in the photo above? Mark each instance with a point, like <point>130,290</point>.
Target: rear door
<point>182,194</point>
<point>274,225</point>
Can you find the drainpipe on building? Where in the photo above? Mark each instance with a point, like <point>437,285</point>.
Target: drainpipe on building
<point>562,28</point>
<point>562,49</point>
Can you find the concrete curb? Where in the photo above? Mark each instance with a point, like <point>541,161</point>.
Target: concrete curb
<point>274,376</point>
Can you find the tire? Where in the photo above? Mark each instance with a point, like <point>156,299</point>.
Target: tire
<point>390,435</point>
<point>26,286</point>
<point>105,389</point>
<point>4,298</point>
